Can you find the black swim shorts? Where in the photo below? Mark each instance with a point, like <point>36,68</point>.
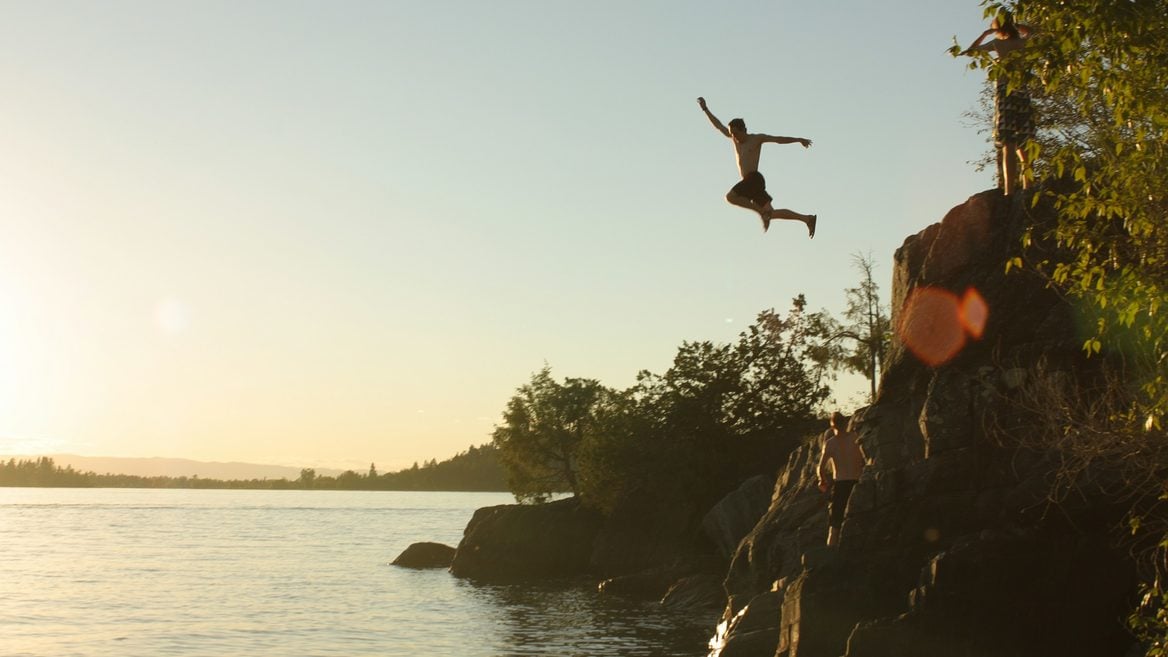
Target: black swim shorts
<point>840,492</point>
<point>753,187</point>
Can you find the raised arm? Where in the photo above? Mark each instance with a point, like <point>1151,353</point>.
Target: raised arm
<point>977,45</point>
<point>772,139</point>
<point>713,119</point>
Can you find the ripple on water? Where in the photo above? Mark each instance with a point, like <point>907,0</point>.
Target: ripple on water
<point>105,573</point>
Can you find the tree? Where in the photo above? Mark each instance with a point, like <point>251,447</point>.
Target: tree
<point>869,326</point>
<point>687,436</point>
<point>859,345</point>
<point>307,478</point>
<point>1101,69</point>
<point>542,429</point>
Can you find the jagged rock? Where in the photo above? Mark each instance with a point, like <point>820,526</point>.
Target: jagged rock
<point>941,428</point>
<point>702,591</point>
<point>521,542</point>
<point>949,545</point>
<point>753,631</point>
<point>736,514</point>
<point>996,593</point>
<point>425,555</point>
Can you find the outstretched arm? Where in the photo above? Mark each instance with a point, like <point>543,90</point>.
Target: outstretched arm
<point>806,143</point>
<point>713,119</point>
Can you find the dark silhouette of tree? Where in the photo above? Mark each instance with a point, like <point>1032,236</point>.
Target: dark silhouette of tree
<point>307,478</point>
<point>543,426</point>
<point>868,325</point>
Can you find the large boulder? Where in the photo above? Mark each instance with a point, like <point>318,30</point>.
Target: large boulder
<point>425,555</point>
<point>514,542</point>
<point>1001,594</point>
<point>950,544</point>
<point>736,514</point>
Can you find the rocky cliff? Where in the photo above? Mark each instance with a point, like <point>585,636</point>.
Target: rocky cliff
<point>952,542</point>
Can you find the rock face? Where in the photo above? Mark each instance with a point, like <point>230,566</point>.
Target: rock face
<point>425,555</point>
<point>950,545</point>
<point>732,518</point>
<point>514,542</point>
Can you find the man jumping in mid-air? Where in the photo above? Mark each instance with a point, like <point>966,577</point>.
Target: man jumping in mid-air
<point>750,192</point>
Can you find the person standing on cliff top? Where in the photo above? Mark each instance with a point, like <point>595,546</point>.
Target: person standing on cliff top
<point>750,192</point>
<point>839,470</point>
<point>1013,116</point>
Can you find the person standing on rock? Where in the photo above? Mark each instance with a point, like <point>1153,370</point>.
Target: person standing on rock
<point>839,470</point>
<point>750,192</point>
<point>1013,116</point>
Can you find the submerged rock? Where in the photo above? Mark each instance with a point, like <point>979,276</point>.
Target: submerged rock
<point>701,591</point>
<point>425,555</point>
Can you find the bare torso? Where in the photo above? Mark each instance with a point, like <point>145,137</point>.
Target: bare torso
<point>747,151</point>
<point>847,461</point>
<point>1003,46</point>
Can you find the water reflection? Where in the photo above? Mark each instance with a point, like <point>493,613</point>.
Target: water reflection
<point>572,618</point>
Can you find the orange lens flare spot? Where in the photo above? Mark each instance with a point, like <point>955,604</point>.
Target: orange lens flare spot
<point>974,313</point>
<point>935,323</point>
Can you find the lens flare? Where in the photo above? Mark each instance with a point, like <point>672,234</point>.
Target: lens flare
<point>936,322</point>
<point>974,313</point>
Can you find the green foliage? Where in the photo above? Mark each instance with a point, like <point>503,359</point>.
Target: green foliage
<point>689,435</point>
<point>1102,68</point>
<point>1150,620</point>
<point>682,437</point>
<point>543,427</point>
<point>1101,162</point>
<point>859,344</point>
<point>869,325</point>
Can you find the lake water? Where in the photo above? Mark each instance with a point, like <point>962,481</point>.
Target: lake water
<point>131,572</point>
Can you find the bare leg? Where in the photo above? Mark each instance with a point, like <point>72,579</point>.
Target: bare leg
<point>1009,169</point>
<point>1022,167</point>
<point>743,202</point>
<point>1000,170</point>
<point>783,213</point>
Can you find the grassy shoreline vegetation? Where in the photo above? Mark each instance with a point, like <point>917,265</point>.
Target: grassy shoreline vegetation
<point>476,469</point>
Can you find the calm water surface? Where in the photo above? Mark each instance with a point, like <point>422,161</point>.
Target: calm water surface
<point>128,572</point>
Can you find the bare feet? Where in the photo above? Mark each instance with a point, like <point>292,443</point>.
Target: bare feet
<point>811,225</point>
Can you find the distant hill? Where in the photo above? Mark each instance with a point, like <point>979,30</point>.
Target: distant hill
<point>164,467</point>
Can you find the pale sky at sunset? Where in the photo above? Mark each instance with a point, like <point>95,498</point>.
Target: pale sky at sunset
<point>333,233</point>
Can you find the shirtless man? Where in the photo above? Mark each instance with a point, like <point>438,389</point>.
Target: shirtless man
<point>1013,117</point>
<point>750,192</point>
<point>846,462</point>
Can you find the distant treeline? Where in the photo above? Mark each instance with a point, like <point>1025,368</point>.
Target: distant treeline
<point>477,469</point>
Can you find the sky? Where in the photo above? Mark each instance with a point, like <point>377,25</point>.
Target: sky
<point>328,234</point>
